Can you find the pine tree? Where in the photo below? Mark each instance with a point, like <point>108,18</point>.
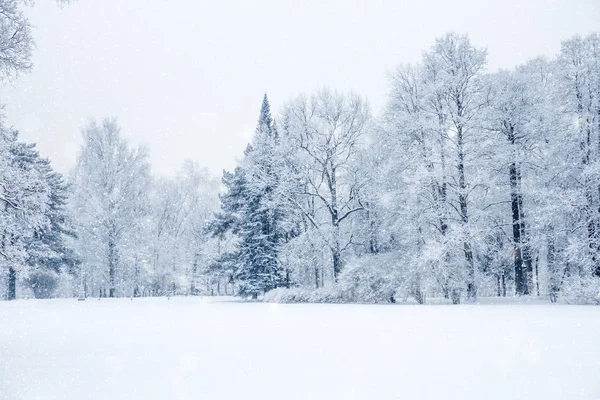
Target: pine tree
<point>47,251</point>
<point>24,203</point>
<point>252,210</point>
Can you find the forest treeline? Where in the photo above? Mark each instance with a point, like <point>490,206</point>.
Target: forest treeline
<point>470,183</point>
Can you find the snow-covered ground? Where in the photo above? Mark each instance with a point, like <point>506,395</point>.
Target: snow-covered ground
<point>193,348</point>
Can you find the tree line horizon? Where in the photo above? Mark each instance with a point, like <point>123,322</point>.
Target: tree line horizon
<point>468,184</point>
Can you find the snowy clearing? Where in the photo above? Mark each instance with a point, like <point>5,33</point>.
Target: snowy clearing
<point>194,348</point>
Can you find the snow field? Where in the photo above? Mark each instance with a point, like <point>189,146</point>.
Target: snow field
<point>201,348</point>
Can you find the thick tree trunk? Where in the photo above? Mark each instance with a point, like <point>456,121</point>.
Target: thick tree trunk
<point>462,199</point>
<point>471,286</point>
<point>12,283</point>
<point>521,255</point>
<point>520,279</point>
<point>337,260</point>
<point>527,256</point>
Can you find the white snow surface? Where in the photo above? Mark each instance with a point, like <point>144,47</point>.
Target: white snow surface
<point>201,348</point>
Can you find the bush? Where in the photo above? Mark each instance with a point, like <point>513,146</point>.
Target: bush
<point>43,283</point>
<point>302,295</point>
<point>372,279</point>
<point>580,290</point>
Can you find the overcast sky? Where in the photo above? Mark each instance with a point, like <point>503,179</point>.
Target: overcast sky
<point>186,78</point>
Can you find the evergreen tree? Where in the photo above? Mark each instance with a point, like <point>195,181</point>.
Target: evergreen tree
<point>253,211</point>
<point>24,203</point>
<point>47,252</point>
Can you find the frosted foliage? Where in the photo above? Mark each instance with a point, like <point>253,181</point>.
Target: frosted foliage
<point>24,204</point>
<point>470,184</point>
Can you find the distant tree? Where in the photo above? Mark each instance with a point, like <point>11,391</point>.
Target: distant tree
<point>110,184</point>
<point>180,209</point>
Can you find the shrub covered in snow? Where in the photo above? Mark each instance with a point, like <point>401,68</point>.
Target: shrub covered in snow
<point>580,290</point>
<point>304,295</point>
<point>43,283</point>
<point>371,279</point>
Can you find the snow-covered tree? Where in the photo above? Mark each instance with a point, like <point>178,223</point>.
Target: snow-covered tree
<point>180,248</point>
<point>25,198</point>
<point>48,252</point>
<point>512,116</point>
<point>110,183</point>
<point>16,41</point>
<point>255,211</point>
<point>328,130</point>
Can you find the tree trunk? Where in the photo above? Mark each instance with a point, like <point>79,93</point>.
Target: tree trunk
<point>373,245</point>
<point>337,260</point>
<point>112,266</point>
<point>527,256</point>
<point>498,286</point>
<point>537,276</point>
<point>195,267</point>
<point>335,249</point>
<point>553,271</point>
<point>455,296</point>
<point>520,280</point>
<point>136,288</point>
<point>316,277</point>
<point>471,286</point>
<point>596,264</point>
<point>12,283</point>
<point>462,199</point>
<point>521,254</point>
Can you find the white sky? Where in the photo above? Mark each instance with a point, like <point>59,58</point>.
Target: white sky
<point>187,77</point>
